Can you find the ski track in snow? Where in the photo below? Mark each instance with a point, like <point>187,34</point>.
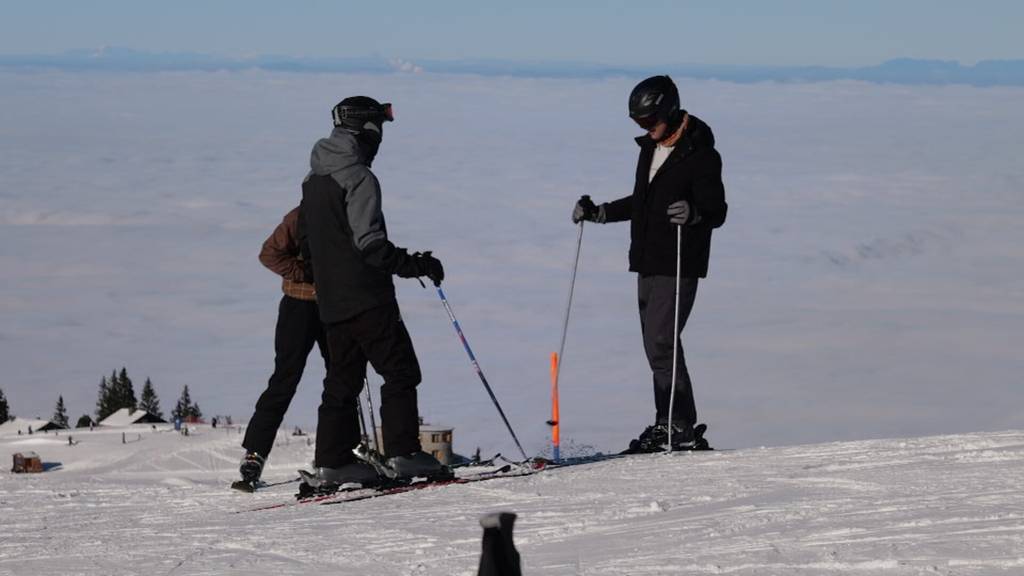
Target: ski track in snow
<point>160,505</point>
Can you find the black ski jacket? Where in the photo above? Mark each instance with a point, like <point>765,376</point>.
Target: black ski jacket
<point>692,172</point>
<point>342,232</point>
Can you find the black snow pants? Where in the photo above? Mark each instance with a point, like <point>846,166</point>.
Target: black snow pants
<point>298,329</point>
<point>656,297</point>
<point>377,336</point>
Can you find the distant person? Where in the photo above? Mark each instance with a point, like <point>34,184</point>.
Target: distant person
<point>298,329</point>
<point>353,262</point>
<point>678,183</point>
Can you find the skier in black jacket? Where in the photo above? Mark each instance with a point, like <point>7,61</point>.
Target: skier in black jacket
<point>343,231</point>
<point>678,183</point>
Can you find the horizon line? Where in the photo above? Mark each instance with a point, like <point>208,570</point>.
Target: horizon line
<point>1003,72</point>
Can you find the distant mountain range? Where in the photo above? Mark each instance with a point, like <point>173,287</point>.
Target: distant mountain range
<point>898,71</point>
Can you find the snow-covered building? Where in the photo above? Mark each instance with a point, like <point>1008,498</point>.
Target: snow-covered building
<point>127,417</point>
<point>437,441</point>
<point>434,440</point>
<point>27,426</point>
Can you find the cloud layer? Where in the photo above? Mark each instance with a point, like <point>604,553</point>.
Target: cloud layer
<point>866,284</point>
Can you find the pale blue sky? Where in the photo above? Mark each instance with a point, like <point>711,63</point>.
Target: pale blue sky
<point>790,32</point>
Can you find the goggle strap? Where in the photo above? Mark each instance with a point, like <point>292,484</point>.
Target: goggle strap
<point>384,111</point>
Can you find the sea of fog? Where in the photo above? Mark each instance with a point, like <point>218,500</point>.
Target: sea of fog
<point>867,283</point>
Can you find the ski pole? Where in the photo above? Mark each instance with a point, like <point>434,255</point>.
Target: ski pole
<point>568,309</point>
<point>362,420</point>
<point>675,335</point>
<point>479,372</point>
<point>373,419</point>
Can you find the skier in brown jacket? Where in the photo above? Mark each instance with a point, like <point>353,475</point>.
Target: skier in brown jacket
<point>298,328</point>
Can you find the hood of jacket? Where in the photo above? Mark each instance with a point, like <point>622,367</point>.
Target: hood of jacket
<point>335,153</point>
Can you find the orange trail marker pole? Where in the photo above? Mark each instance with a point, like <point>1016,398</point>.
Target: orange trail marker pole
<point>554,408</point>
<point>556,359</point>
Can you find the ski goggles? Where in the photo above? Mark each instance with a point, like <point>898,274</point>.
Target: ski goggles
<point>385,113</point>
<point>647,122</point>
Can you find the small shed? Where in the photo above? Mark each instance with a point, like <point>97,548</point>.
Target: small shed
<point>437,441</point>
<point>27,462</point>
<point>434,440</point>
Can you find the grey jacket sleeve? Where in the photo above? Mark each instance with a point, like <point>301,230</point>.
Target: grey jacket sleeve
<point>362,204</point>
<point>363,207</point>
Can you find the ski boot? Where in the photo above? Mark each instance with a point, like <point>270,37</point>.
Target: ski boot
<point>329,480</point>
<point>655,439</point>
<point>652,439</point>
<point>371,457</point>
<point>250,469</point>
<point>699,442</point>
<point>419,464</point>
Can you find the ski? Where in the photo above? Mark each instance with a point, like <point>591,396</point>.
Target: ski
<point>503,472</point>
<point>511,470</point>
<point>250,487</point>
<point>354,492</point>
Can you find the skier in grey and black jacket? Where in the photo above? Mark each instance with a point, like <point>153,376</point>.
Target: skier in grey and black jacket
<point>678,183</point>
<point>343,232</point>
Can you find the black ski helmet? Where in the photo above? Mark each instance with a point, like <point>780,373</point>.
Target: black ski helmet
<point>355,111</point>
<point>364,117</point>
<point>654,100</point>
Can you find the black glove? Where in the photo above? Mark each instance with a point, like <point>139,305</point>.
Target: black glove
<point>585,209</point>
<point>427,265</point>
<point>384,255</point>
<point>681,213</point>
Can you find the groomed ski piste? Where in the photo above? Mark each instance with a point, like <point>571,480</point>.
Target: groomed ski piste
<point>151,501</point>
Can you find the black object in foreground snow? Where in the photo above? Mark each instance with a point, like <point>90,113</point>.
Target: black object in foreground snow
<point>498,556</point>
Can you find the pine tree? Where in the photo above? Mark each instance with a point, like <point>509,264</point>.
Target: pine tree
<point>5,409</point>
<point>127,391</point>
<point>195,412</point>
<point>150,403</point>
<point>115,392</point>
<point>83,421</point>
<point>183,409</point>
<point>105,400</point>
<point>60,414</point>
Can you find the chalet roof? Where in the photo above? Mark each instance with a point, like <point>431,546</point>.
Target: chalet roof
<point>127,417</point>
<point>12,426</point>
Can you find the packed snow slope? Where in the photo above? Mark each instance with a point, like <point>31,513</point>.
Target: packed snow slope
<point>159,504</point>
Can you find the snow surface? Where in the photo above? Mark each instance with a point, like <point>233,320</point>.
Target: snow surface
<point>159,504</point>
